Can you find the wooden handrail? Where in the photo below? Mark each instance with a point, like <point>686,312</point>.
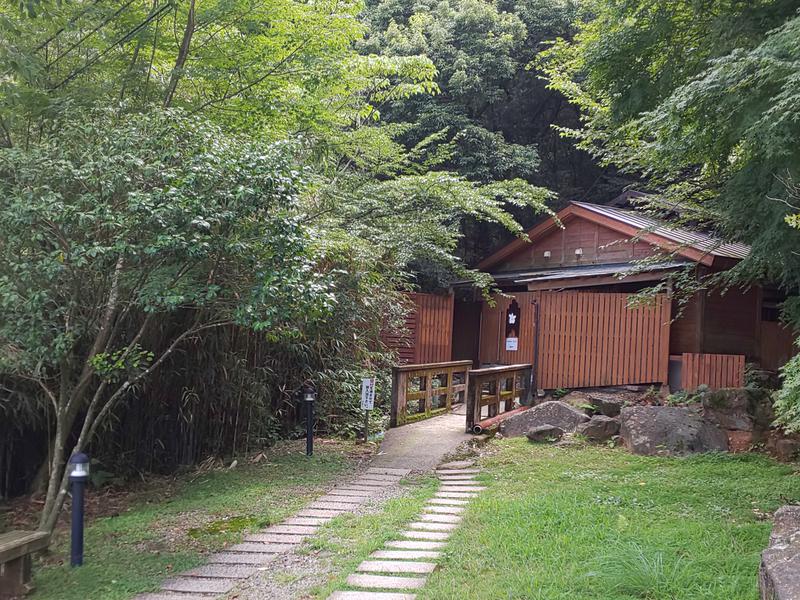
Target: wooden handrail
<point>424,394</point>
<point>507,384</point>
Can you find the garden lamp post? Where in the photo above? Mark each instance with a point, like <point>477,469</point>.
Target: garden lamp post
<point>309,396</point>
<point>78,477</point>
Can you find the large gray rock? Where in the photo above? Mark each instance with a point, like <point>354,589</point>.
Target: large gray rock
<point>607,404</point>
<point>655,430</point>
<point>545,433</point>
<point>599,428</point>
<point>555,413</point>
<point>739,409</point>
<point>779,575</point>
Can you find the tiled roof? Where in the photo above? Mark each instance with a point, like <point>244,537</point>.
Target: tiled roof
<point>685,237</point>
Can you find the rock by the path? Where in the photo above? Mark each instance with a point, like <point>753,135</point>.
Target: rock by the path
<point>545,433</point>
<point>787,449</point>
<point>578,400</point>
<point>729,409</point>
<point>656,430</point>
<point>599,428</point>
<point>559,414</point>
<point>779,574</point>
<point>607,404</point>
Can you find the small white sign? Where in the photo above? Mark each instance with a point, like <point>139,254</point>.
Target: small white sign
<point>512,344</point>
<point>367,393</point>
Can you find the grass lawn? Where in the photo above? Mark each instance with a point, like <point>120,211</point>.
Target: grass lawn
<point>598,523</point>
<point>157,535</point>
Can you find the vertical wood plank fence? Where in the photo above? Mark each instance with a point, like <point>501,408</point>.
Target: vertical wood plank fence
<point>586,339</point>
<point>421,391</point>
<point>497,387</point>
<point>714,370</point>
<point>428,334</point>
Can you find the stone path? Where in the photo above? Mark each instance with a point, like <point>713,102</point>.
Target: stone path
<point>226,569</point>
<point>404,564</point>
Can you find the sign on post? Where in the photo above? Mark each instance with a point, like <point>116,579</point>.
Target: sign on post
<point>367,401</point>
<point>367,393</point>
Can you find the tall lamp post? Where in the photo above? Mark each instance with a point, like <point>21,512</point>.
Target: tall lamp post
<point>309,396</point>
<point>78,477</point>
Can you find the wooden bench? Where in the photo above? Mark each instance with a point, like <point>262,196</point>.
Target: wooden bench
<point>16,548</point>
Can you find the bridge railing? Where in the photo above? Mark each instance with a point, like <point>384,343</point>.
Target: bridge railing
<point>496,388</point>
<point>422,391</point>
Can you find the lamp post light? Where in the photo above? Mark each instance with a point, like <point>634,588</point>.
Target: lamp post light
<point>309,396</point>
<point>78,477</point>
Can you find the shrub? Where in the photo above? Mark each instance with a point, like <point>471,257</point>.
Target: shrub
<point>787,399</point>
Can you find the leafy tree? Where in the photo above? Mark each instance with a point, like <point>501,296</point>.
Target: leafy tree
<point>112,226</point>
<point>702,99</point>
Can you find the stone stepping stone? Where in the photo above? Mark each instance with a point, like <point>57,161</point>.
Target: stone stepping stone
<point>445,510</point>
<point>353,502</point>
<point>199,585</point>
<point>241,558</point>
<point>379,477</point>
<point>306,521</point>
<point>415,545</point>
<point>457,471</point>
<point>173,596</point>
<point>457,464</point>
<point>459,483</point>
<point>275,538</point>
<point>459,477</point>
<point>433,526</point>
<point>405,554</point>
<point>389,471</point>
<point>222,571</point>
<point>436,536</point>
<point>341,506</point>
<point>259,547</point>
<point>364,489</point>
<point>434,518</point>
<point>396,566</point>
<point>448,501</point>
<point>464,488</point>
<point>370,596</point>
<point>347,492</point>
<point>294,529</point>
<point>456,495</point>
<point>372,485</point>
<point>312,512</point>
<point>386,582</point>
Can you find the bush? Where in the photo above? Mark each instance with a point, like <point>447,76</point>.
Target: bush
<point>787,399</point>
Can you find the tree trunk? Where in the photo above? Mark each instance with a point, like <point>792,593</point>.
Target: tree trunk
<point>183,54</point>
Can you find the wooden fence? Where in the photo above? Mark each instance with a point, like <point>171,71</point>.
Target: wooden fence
<point>585,339</point>
<point>428,330</point>
<point>714,370</point>
<point>494,387</point>
<point>420,391</point>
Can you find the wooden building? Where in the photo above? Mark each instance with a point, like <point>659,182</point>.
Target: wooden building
<point>567,307</point>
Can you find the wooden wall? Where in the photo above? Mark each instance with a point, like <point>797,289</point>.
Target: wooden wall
<point>776,345</point>
<point>600,245</point>
<point>428,330</point>
<point>585,339</point>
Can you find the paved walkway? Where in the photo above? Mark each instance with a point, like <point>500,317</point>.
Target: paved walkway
<point>417,447</point>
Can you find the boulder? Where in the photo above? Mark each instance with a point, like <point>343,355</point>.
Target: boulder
<point>545,433</point>
<point>779,574</point>
<point>787,449</point>
<point>739,409</point>
<point>556,413</point>
<point>579,400</point>
<point>656,430</point>
<point>609,405</point>
<point>599,428</point>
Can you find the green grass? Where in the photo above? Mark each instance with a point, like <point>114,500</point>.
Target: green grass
<point>155,537</point>
<point>349,539</point>
<point>601,524</point>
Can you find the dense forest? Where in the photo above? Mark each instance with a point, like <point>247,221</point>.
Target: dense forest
<point>204,205</point>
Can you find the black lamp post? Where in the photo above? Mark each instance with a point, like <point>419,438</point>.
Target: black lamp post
<point>78,477</point>
<point>309,396</point>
